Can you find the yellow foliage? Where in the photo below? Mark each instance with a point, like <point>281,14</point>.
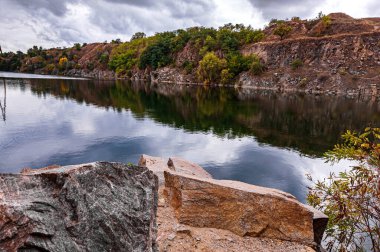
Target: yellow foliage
<point>62,61</point>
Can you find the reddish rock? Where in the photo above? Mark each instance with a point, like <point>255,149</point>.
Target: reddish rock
<point>158,166</point>
<point>244,209</point>
<point>185,167</point>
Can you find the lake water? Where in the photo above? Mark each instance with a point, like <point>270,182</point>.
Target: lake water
<point>263,138</point>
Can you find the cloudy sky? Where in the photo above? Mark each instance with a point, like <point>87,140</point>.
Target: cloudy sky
<point>50,23</point>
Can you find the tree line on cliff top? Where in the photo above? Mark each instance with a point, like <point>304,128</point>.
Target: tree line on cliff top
<point>212,54</point>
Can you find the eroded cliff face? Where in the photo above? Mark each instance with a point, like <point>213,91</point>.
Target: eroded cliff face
<point>342,57</point>
<point>337,64</point>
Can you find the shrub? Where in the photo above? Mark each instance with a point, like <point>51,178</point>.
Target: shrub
<point>226,76</point>
<point>303,82</point>
<point>351,199</point>
<point>90,66</point>
<point>104,57</point>
<point>275,21</point>
<point>210,67</point>
<point>254,36</point>
<point>297,63</point>
<point>256,67</point>
<point>282,30</point>
<point>238,63</point>
<point>326,21</point>
<point>50,68</point>
<point>296,19</point>
<point>188,66</point>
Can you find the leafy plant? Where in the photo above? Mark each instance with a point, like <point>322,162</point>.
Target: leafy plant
<point>282,30</point>
<point>158,54</point>
<point>104,57</point>
<point>210,68</point>
<point>326,21</point>
<point>297,63</point>
<point>296,19</point>
<point>351,199</point>
<point>257,67</point>
<point>225,76</point>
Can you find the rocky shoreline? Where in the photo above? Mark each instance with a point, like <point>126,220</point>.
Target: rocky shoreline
<point>156,206</point>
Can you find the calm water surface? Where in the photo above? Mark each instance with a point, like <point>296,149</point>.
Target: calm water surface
<point>263,138</point>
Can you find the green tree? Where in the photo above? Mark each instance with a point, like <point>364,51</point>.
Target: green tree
<point>282,30</point>
<point>238,63</point>
<point>77,46</point>
<point>210,68</point>
<point>138,35</point>
<point>158,54</point>
<point>351,199</point>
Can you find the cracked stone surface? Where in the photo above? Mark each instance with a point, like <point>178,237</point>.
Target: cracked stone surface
<point>243,209</point>
<point>93,207</point>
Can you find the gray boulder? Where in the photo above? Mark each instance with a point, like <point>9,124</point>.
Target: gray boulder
<point>92,207</point>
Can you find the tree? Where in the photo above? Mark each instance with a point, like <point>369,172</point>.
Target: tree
<point>351,199</point>
<point>210,67</point>
<point>77,46</point>
<point>158,54</point>
<point>138,35</point>
<point>116,41</point>
<point>282,30</point>
<point>62,64</point>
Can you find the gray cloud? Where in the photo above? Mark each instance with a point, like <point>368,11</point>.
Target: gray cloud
<point>144,3</point>
<point>285,9</point>
<point>51,23</point>
<point>150,16</point>
<point>58,8</point>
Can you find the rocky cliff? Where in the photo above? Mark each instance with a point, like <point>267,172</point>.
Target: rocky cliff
<point>341,57</point>
<point>344,63</point>
<point>333,54</point>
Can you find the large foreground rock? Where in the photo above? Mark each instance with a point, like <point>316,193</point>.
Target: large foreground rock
<point>244,209</point>
<point>94,207</point>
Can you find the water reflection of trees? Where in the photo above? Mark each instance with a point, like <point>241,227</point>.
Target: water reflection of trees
<point>307,123</point>
<point>3,104</point>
